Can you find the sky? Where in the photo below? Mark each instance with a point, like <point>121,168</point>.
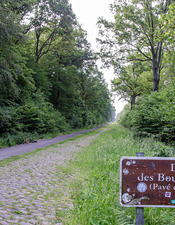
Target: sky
<point>87,13</point>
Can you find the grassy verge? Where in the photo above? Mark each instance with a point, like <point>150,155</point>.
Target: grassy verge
<point>95,186</point>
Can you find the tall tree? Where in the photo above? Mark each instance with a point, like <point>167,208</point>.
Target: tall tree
<point>13,71</point>
<point>136,29</point>
<point>46,61</point>
<point>51,20</point>
<point>131,82</point>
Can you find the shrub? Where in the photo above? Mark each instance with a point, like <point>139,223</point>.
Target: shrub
<point>153,115</point>
<point>161,150</point>
<point>9,122</point>
<point>90,118</point>
<point>35,115</point>
<point>76,117</point>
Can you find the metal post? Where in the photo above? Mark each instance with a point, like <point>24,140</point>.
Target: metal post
<point>140,210</point>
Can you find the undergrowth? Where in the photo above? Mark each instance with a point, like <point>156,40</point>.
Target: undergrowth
<point>95,186</point>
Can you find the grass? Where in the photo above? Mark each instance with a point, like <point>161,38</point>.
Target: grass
<point>95,186</point>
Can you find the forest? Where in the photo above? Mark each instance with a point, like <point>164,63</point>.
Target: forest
<point>49,78</point>
<point>50,81</point>
<point>51,84</point>
<point>140,46</point>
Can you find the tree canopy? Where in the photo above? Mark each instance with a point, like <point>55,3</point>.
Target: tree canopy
<point>136,34</point>
<point>139,44</point>
<point>49,79</point>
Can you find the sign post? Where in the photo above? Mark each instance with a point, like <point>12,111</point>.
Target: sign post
<point>147,182</point>
<point>140,211</point>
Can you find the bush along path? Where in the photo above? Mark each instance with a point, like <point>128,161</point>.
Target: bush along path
<point>33,189</point>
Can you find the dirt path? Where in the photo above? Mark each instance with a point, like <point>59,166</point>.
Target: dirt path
<point>32,188</point>
<point>24,148</point>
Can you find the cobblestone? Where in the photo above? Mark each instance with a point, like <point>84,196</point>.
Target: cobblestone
<point>28,185</point>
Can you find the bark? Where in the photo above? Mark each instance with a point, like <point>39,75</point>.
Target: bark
<point>37,48</point>
<point>58,98</point>
<point>155,83</point>
<point>156,61</point>
<point>46,45</point>
<point>133,100</point>
<point>155,80</point>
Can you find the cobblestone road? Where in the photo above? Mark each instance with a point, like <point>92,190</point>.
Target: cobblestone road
<point>31,188</point>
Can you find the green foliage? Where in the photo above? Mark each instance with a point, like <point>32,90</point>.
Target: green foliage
<point>95,185</point>
<point>168,24</point>
<point>90,119</point>
<point>52,19</point>
<point>35,116</point>
<point>18,138</point>
<point>154,115</point>
<point>7,124</point>
<point>161,150</point>
<point>135,35</point>
<point>132,81</point>
<point>49,81</point>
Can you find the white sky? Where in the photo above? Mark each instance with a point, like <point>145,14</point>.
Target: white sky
<point>88,12</point>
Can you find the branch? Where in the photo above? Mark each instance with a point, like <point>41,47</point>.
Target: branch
<point>48,43</point>
<point>160,52</point>
<point>140,60</point>
<point>144,54</point>
<point>144,32</point>
<point>152,26</point>
<point>138,49</point>
<point>126,83</point>
<point>166,4</point>
<point>157,49</point>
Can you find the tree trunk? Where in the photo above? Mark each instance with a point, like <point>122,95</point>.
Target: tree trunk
<point>156,61</point>
<point>133,100</point>
<point>37,48</point>
<point>155,77</point>
<point>58,98</point>
<point>155,87</point>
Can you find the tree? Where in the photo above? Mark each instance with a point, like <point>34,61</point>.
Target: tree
<point>136,29</point>
<point>51,20</point>
<point>13,71</point>
<point>132,81</point>
<point>48,74</point>
<point>167,21</point>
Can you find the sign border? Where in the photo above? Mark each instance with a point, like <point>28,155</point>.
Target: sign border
<point>120,182</point>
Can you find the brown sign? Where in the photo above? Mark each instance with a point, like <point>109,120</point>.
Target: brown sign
<point>147,182</point>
